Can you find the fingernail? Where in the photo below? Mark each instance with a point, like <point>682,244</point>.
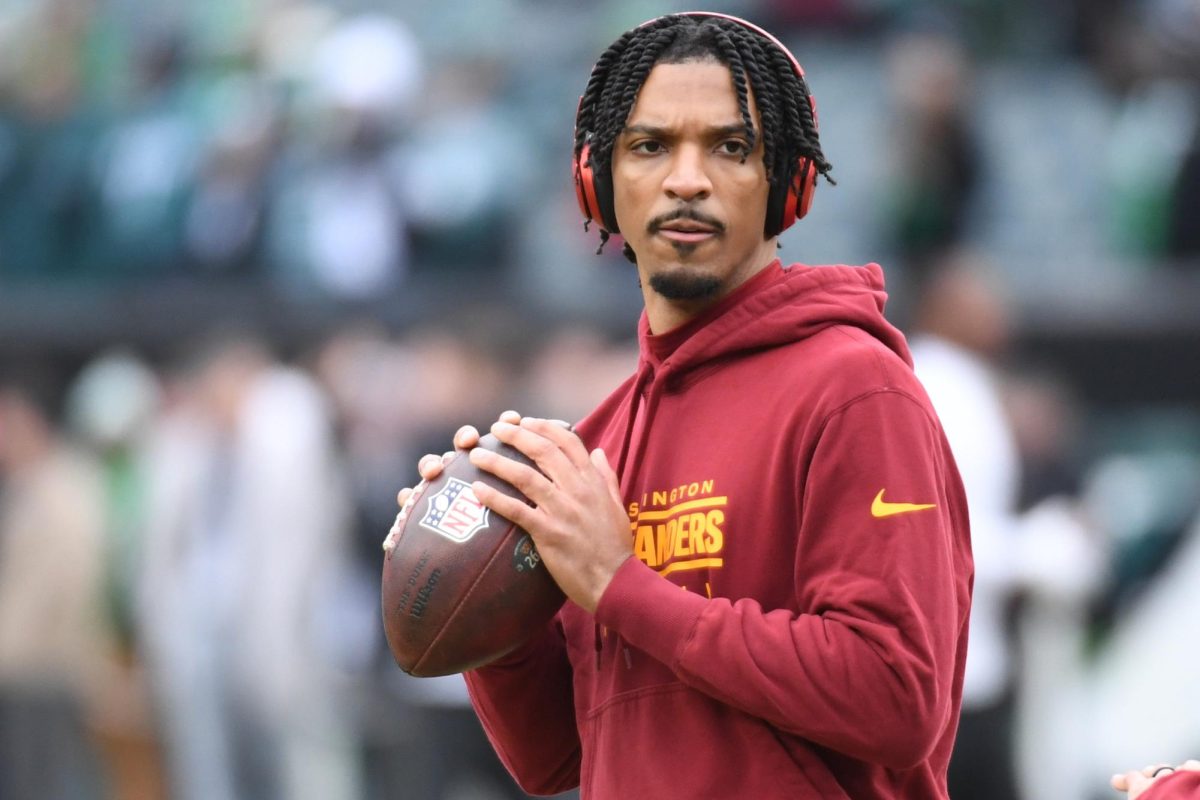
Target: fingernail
<point>504,426</point>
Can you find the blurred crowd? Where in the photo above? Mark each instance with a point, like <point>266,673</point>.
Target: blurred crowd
<point>190,563</point>
<point>346,152</point>
<point>190,521</point>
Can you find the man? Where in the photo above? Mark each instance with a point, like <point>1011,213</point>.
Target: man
<point>761,534</point>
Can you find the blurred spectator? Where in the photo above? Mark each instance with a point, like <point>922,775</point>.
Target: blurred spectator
<point>47,132</point>
<point>109,407</point>
<point>1048,422</point>
<point>51,571</point>
<point>937,157</point>
<point>1147,158</point>
<point>1183,232</point>
<point>962,328</point>
<point>1068,555</point>
<point>1175,31</point>
<point>147,162</point>
<point>245,547</point>
<point>467,169</point>
<point>1149,501</point>
<point>226,212</point>
<point>339,224</point>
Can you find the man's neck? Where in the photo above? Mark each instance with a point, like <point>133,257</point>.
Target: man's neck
<point>665,314</point>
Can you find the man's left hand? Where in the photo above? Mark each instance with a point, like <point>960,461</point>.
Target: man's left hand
<point>579,525</point>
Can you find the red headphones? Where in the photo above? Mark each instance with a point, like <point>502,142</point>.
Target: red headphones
<point>788,201</point>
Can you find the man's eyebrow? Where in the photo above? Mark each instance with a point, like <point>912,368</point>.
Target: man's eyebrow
<point>714,132</point>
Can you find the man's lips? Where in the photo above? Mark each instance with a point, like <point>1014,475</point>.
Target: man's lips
<point>690,235</point>
<point>686,230</point>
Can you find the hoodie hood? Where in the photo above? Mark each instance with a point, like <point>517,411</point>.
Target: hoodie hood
<point>777,306</point>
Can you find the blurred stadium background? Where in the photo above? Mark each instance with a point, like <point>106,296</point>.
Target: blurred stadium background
<point>256,256</point>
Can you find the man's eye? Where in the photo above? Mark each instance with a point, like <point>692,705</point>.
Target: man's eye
<point>647,146</point>
<point>734,147</point>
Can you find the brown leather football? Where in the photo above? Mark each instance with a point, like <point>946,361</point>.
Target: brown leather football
<point>463,585</point>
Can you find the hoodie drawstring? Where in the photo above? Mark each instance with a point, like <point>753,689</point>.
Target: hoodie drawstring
<point>644,376</point>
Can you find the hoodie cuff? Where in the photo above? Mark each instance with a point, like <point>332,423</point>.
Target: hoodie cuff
<point>648,611</point>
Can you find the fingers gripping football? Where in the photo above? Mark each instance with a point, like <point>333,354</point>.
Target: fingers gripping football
<point>430,466</point>
<point>577,521</point>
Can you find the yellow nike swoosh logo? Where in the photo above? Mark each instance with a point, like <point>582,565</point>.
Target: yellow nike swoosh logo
<point>881,508</point>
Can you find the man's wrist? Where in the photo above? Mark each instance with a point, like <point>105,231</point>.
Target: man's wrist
<point>603,580</point>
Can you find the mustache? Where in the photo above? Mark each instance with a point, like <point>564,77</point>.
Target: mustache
<point>685,212</point>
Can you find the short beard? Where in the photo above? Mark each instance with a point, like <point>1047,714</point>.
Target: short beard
<point>683,285</point>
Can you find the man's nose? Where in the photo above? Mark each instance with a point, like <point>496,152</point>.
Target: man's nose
<point>688,178</point>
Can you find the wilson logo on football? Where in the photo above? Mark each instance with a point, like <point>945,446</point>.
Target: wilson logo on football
<point>455,512</point>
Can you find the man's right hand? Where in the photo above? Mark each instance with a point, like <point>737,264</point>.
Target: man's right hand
<point>430,466</point>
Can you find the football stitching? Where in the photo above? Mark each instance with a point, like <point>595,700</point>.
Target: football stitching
<point>454,611</point>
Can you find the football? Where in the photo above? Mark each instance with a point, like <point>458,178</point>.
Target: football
<point>463,586</point>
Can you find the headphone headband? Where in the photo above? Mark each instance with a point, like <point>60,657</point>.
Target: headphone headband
<point>790,196</point>
<point>745,24</point>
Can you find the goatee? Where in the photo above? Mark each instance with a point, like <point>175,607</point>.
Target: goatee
<point>683,285</point>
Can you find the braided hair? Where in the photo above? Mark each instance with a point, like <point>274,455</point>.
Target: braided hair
<point>789,128</point>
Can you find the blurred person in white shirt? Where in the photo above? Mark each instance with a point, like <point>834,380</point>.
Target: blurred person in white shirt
<point>1011,707</point>
<point>246,526</point>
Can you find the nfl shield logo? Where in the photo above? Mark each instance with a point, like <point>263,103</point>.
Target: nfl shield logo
<point>455,512</point>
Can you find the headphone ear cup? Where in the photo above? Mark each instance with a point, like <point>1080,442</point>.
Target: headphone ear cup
<point>791,201</point>
<point>804,186</point>
<point>594,193</point>
<point>602,186</point>
<point>585,190</point>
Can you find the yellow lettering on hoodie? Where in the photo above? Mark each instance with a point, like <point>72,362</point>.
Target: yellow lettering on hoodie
<point>714,540</point>
<point>686,535</point>
<point>683,538</point>
<point>643,546</point>
<point>666,540</point>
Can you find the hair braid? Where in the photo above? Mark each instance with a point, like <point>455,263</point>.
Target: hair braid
<point>596,82</point>
<point>738,71</point>
<point>622,89</point>
<point>773,154</point>
<point>803,127</point>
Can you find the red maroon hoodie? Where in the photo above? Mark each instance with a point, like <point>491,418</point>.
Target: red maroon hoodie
<point>794,620</point>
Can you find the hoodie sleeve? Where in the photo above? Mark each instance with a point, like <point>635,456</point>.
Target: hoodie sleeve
<point>866,663</point>
<point>526,705</point>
